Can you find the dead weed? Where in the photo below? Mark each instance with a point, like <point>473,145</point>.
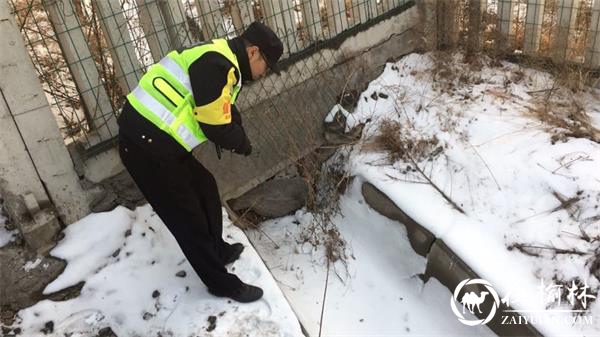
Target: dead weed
<point>401,145</point>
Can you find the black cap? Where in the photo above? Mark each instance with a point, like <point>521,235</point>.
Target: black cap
<point>267,41</point>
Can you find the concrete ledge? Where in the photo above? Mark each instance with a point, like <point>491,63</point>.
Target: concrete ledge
<point>442,263</point>
<point>420,238</point>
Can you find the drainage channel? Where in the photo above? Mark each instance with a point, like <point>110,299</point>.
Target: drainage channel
<point>394,279</point>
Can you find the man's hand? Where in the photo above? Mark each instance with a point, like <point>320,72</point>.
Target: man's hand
<point>245,148</point>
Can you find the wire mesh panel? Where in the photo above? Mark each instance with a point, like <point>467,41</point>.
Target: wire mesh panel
<point>592,56</point>
<point>563,30</point>
<point>90,54</point>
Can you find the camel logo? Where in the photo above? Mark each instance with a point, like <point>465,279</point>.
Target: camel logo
<point>471,302</point>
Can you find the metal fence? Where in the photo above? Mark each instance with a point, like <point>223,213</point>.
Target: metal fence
<point>89,54</point>
<point>565,30</point>
<point>560,30</point>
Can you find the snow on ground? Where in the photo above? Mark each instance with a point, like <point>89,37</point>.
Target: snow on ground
<point>529,191</point>
<point>379,294</point>
<point>6,236</point>
<point>526,195</point>
<point>138,283</point>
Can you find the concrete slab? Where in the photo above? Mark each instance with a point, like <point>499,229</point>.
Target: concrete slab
<point>420,238</point>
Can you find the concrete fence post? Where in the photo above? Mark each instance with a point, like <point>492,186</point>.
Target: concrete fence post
<point>211,19</point>
<point>533,25</point>
<point>371,9</point>
<point>114,24</point>
<point>336,16</point>
<point>447,23</point>
<point>427,26</point>
<point>506,15</point>
<point>566,17</point>
<point>83,68</point>
<point>176,22</point>
<point>385,5</point>
<point>354,18</point>
<point>592,55</point>
<point>37,177</point>
<point>311,12</point>
<point>155,30</point>
<point>242,15</point>
<point>280,17</point>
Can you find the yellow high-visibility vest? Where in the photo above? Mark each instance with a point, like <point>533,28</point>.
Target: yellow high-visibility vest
<point>164,95</point>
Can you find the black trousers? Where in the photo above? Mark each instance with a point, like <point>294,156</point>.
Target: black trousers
<point>184,194</point>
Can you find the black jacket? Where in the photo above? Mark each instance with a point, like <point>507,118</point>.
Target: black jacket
<point>208,76</point>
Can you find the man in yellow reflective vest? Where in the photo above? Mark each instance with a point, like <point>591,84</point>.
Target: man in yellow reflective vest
<point>182,101</point>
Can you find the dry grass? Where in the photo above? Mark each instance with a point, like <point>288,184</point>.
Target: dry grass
<point>401,145</point>
<point>329,180</point>
<point>561,107</point>
<point>588,248</point>
<point>565,120</point>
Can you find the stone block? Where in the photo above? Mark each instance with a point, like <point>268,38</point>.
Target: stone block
<point>274,198</point>
<point>40,233</point>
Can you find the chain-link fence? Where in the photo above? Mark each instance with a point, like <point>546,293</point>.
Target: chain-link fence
<point>89,54</point>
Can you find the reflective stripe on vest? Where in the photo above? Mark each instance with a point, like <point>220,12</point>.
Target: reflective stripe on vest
<point>177,72</point>
<point>165,115</point>
<point>165,97</point>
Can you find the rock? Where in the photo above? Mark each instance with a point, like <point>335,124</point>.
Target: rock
<point>335,138</point>
<point>338,125</point>
<point>348,99</point>
<point>335,131</point>
<point>40,233</point>
<point>274,198</point>
<point>106,332</point>
<point>155,294</point>
<point>21,288</point>
<point>117,190</point>
<point>212,323</point>
<point>48,328</point>
<point>181,273</point>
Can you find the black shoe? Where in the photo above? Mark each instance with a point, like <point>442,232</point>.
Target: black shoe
<point>232,253</point>
<point>245,294</point>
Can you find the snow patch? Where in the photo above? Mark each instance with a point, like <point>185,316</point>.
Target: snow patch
<point>29,265</point>
<point>129,262</point>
